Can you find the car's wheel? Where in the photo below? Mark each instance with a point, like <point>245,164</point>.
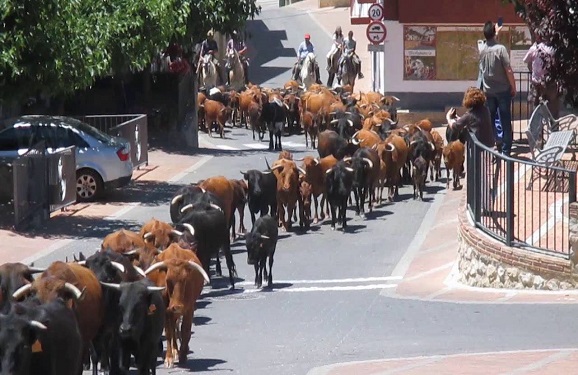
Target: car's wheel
<point>89,185</point>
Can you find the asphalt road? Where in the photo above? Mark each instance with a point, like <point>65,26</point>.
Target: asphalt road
<point>327,303</point>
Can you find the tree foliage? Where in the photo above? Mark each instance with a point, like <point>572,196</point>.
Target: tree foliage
<point>556,23</point>
<point>56,47</point>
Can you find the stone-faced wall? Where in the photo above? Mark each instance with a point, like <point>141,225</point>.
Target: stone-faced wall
<point>485,262</point>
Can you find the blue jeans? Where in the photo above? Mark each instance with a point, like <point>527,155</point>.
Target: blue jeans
<point>502,102</point>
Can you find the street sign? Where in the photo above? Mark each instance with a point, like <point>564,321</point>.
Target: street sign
<point>375,12</point>
<point>376,32</point>
<point>375,48</point>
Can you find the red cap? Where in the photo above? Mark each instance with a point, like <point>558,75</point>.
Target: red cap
<point>307,36</point>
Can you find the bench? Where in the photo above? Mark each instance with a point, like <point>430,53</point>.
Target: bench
<point>549,153</point>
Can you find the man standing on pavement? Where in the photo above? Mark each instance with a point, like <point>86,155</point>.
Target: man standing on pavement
<point>497,82</point>
<point>305,48</point>
<point>350,45</point>
<point>536,59</point>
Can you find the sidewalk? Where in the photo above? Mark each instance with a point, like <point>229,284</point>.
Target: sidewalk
<point>328,19</point>
<point>163,171</point>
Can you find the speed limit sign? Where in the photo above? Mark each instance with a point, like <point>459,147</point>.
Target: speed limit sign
<point>376,12</point>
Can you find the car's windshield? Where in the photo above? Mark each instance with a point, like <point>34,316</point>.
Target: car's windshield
<point>93,132</point>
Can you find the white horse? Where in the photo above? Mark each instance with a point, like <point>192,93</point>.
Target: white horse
<point>236,73</point>
<point>208,71</point>
<point>308,70</point>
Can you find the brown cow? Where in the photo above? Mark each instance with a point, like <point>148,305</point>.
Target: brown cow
<point>159,234</point>
<point>183,275</point>
<point>394,155</point>
<point>310,128</point>
<point>436,169</point>
<point>122,241</point>
<point>240,189</point>
<point>454,155</point>
<point>216,112</point>
<point>365,138</point>
<point>305,192</point>
<point>223,189</point>
<point>287,174</point>
<point>246,99</point>
<point>315,175</point>
<point>425,124</point>
<point>254,119</point>
<point>201,97</point>
<point>71,282</point>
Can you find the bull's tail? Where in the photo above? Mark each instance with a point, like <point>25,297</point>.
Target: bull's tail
<point>268,166</point>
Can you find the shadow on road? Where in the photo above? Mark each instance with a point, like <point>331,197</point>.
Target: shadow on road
<point>204,364</point>
<point>261,35</point>
<point>80,226</point>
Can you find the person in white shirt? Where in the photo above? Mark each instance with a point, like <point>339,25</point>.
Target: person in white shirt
<point>335,46</point>
<point>536,59</point>
<point>349,46</point>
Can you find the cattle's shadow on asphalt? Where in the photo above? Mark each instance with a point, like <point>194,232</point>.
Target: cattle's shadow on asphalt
<point>204,364</point>
<point>376,214</point>
<point>80,226</point>
<point>353,228</point>
<point>201,320</point>
<point>298,231</point>
<point>202,303</point>
<point>144,192</point>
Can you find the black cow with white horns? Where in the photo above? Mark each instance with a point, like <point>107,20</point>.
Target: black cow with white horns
<point>40,339</point>
<point>262,193</point>
<point>142,324</point>
<point>12,277</point>
<point>187,196</point>
<point>339,181</point>
<point>274,115</point>
<point>204,226</point>
<point>261,243</point>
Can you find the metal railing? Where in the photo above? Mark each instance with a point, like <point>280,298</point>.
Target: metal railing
<point>519,202</point>
<point>42,183</point>
<point>133,128</point>
<point>521,107</point>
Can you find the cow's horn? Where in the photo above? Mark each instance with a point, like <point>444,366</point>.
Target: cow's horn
<point>390,120</point>
<point>174,231</point>
<point>355,134</point>
<point>147,235</point>
<point>350,122</point>
<point>302,171</point>
<point>348,169</point>
<point>176,199</point>
<point>188,206</point>
<point>118,266</point>
<point>265,237</point>
<point>300,159</point>
<point>328,171</point>
<point>81,262</point>
<point>243,173</point>
<point>201,270</point>
<point>130,252</point>
<point>74,290</point>
<point>433,147</point>
<point>277,167</point>
<point>203,190</point>
<point>190,228</point>
<point>154,267</point>
<point>316,161</point>
<point>216,207</point>
<point>368,162</point>
<point>21,291</point>
<point>391,147</point>
<point>110,285</point>
<point>346,159</point>
<point>37,324</point>
<point>355,141</point>
<point>412,143</point>
<point>139,271</point>
<point>155,288</point>
<point>348,113</point>
<point>36,269</point>
<point>334,121</point>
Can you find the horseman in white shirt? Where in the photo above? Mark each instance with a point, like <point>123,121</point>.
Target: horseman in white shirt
<point>304,49</point>
<point>337,44</point>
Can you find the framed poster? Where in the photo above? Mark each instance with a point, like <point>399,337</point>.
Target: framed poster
<point>419,44</point>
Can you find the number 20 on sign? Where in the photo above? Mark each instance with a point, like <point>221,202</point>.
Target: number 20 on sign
<point>375,12</point>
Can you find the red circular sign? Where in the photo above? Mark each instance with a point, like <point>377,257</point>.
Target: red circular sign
<point>376,32</point>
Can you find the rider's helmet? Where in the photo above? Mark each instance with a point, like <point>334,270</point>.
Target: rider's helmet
<point>307,36</point>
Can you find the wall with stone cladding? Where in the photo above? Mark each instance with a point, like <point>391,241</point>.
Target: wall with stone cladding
<point>485,262</point>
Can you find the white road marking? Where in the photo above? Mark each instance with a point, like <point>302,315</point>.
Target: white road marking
<point>228,148</point>
<point>192,168</point>
<point>555,213</point>
<point>330,281</point>
<point>342,288</point>
<point>258,146</point>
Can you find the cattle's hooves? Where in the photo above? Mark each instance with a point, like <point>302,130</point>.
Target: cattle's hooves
<point>333,227</point>
<point>169,364</point>
<point>315,221</point>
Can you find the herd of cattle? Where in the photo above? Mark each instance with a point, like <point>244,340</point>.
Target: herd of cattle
<point>111,308</point>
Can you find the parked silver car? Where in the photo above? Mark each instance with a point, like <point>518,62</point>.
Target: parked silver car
<point>102,161</point>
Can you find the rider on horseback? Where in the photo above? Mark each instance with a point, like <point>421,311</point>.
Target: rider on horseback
<point>349,45</point>
<point>209,46</point>
<point>337,44</point>
<point>236,43</point>
<point>304,49</point>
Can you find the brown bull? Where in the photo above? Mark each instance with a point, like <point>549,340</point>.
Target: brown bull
<point>216,112</point>
<point>394,155</point>
<point>240,189</point>
<point>287,174</point>
<point>366,138</point>
<point>71,282</point>
<point>159,234</point>
<point>122,241</point>
<point>223,189</point>
<point>315,175</point>
<point>436,167</point>
<point>454,155</point>
<point>181,272</point>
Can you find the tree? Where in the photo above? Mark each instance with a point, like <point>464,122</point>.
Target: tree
<point>60,46</point>
<point>555,22</point>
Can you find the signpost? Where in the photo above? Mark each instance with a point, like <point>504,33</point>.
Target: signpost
<point>376,32</point>
<point>376,12</point>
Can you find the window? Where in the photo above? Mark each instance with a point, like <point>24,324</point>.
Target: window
<point>55,136</point>
<point>15,138</point>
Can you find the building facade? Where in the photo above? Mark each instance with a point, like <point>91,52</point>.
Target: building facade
<point>431,47</point>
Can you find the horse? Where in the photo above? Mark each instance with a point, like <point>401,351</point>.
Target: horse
<point>236,73</point>
<point>348,71</point>
<point>307,74</point>
<point>334,67</point>
<point>208,72</point>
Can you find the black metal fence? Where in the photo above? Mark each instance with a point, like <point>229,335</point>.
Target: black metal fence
<point>133,128</point>
<point>522,105</point>
<point>42,183</point>
<point>519,202</point>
